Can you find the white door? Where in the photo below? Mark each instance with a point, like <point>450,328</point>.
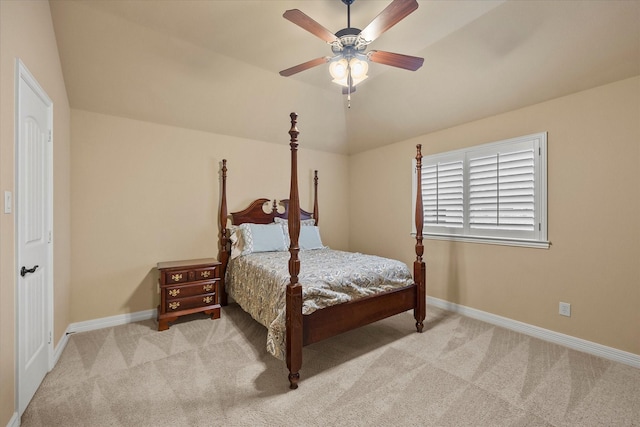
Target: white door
<point>33,220</point>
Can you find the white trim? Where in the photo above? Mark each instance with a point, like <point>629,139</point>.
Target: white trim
<point>490,240</point>
<point>106,322</point>
<point>14,421</point>
<point>574,343</point>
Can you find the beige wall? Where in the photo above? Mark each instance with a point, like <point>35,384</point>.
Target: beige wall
<point>593,208</point>
<point>26,32</point>
<point>144,193</point>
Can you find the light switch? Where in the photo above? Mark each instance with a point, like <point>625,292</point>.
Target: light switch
<point>8,202</point>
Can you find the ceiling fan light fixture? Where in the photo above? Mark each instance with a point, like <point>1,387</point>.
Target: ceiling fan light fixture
<point>358,69</point>
<point>343,71</point>
<point>339,69</point>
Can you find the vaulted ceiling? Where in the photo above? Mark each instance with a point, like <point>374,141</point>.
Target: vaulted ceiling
<point>213,65</point>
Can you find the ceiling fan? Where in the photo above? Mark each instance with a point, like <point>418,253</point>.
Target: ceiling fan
<point>349,63</point>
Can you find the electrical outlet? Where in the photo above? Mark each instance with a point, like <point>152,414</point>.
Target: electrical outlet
<point>565,309</point>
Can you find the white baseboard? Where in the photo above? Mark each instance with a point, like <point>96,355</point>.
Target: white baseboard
<point>106,322</point>
<point>579,344</point>
<point>14,421</point>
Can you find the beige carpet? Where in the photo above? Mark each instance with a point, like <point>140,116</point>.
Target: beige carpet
<point>459,372</point>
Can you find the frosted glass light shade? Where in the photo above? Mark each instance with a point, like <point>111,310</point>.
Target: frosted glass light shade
<point>340,71</point>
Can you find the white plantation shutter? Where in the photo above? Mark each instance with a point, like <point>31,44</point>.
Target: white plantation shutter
<point>492,193</point>
<point>442,194</point>
<point>501,191</point>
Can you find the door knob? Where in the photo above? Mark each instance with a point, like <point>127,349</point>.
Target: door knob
<point>24,270</point>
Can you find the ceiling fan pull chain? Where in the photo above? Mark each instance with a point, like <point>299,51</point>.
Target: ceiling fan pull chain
<point>349,85</point>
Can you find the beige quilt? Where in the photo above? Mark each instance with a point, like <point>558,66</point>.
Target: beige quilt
<point>257,282</point>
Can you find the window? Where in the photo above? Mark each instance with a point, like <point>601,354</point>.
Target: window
<point>491,193</point>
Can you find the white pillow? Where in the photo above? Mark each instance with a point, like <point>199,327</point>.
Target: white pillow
<point>237,243</point>
<point>262,238</point>
<point>310,238</point>
<point>285,226</point>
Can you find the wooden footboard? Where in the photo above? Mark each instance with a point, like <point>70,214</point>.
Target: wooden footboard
<point>334,320</point>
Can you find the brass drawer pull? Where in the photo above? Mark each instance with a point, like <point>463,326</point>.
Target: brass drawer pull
<point>207,287</point>
<point>205,274</point>
<point>207,300</point>
<point>174,292</point>
<point>176,277</point>
<point>174,305</point>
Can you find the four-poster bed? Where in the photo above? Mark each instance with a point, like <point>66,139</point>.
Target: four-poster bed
<point>304,321</point>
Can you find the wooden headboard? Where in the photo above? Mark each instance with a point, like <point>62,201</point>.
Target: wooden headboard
<point>255,213</point>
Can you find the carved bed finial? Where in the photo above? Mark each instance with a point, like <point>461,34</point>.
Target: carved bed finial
<point>293,132</point>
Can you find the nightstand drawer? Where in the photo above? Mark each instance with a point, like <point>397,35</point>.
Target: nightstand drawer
<point>191,275</point>
<point>187,290</point>
<point>179,276</point>
<point>207,273</point>
<point>192,302</point>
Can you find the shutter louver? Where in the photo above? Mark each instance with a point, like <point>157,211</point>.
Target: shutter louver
<point>501,191</point>
<point>442,194</point>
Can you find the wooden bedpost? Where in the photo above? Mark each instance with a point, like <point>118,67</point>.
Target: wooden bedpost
<point>223,256</point>
<point>419,268</point>
<point>315,196</point>
<point>294,289</point>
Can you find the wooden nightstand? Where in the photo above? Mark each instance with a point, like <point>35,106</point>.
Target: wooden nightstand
<point>188,287</point>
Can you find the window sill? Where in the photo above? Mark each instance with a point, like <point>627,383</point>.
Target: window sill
<point>538,244</point>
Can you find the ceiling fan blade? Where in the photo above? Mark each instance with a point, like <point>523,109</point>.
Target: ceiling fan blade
<point>305,22</point>
<point>395,59</point>
<point>305,66</point>
<point>390,16</point>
